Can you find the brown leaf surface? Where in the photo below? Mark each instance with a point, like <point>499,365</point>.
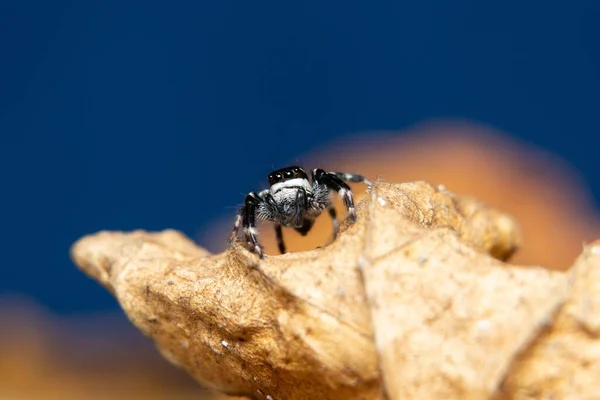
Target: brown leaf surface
<point>564,361</point>
<point>448,319</point>
<point>407,295</point>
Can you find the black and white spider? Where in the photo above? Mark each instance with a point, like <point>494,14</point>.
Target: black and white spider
<point>293,201</point>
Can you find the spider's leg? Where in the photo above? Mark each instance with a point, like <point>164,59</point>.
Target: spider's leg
<point>336,224</point>
<point>248,214</point>
<point>263,193</point>
<point>335,183</point>
<point>236,225</point>
<point>352,178</point>
<point>279,235</point>
<point>240,215</point>
<point>239,218</point>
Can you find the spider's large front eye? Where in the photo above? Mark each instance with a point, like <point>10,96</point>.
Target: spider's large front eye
<point>288,174</point>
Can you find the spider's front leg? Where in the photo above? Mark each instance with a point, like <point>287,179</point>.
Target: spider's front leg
<point>333,182</point>
<point>246,217</point>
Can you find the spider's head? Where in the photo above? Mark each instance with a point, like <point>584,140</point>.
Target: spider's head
<point>286,174</point>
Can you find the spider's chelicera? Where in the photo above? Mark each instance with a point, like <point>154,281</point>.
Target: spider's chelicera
<point>293,201</point>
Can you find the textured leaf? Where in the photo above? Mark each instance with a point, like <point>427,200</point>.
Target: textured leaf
<point>408,302</point>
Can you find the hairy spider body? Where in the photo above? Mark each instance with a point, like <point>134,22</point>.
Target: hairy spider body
<point>294,201</point>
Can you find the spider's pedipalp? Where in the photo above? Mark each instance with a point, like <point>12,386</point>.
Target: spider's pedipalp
<point>307,224</point>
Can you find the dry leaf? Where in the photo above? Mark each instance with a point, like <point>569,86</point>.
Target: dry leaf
<point>405,302</point>
<point>448,319</point>
<point>564,361</point>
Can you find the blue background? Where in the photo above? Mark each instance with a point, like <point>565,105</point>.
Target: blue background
<point>143,114</point>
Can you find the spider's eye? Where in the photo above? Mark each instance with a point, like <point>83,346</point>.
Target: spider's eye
<point>296,169</point>
<point>288,174</point>
<point>278,176</point>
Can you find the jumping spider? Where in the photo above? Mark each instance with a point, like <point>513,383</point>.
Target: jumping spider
<point>292,201</point>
